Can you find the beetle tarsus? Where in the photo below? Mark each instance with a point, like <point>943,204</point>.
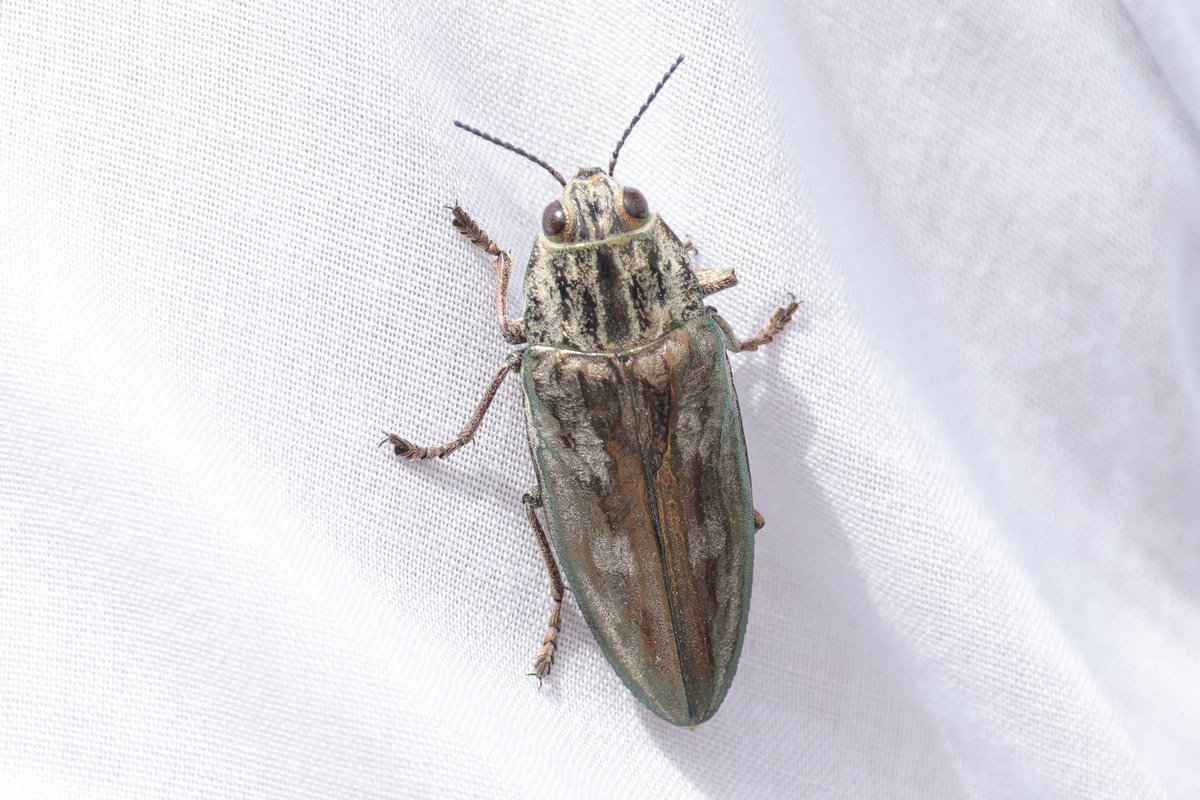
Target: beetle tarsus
<point>545,656</point>
<point>402,447</point>
<point>469,228</point>
<point>415,452</point>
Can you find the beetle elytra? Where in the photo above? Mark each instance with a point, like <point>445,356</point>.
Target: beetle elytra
<point>636,437</point>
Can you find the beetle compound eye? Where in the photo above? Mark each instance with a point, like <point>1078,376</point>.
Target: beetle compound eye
<point>635,204</point>
<point>554,219</point>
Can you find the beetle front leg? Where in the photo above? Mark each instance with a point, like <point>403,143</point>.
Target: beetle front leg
<point>408,450</point>
<point>778,321</point>
<point>532,500</point>
<point>513,332</point>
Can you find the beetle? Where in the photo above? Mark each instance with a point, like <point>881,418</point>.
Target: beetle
<point>635,434</point>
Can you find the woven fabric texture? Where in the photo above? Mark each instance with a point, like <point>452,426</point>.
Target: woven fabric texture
<point>227,268</point>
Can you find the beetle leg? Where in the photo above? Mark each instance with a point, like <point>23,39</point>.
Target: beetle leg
<point>778,321</point>
<point>513,332</point>
<point>532,501</point>
<point>714,280</point>
<point>408,450</point>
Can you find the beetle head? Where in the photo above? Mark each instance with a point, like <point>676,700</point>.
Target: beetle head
<point>592,207</point>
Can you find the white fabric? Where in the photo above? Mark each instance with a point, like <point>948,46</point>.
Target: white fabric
<point>227,269</point>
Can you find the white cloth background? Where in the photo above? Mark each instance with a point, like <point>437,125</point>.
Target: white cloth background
<point>227,268</point>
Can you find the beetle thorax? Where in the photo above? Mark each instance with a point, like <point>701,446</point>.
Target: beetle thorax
<point>616,292</point>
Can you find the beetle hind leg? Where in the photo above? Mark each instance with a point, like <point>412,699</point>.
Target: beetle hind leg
<point>532,500</point>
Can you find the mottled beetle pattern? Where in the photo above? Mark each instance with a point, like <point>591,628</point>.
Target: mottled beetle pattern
<point>636,437</point>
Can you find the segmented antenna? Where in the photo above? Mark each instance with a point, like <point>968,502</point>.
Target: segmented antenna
<point>487,137</point>
<point>613,163</point>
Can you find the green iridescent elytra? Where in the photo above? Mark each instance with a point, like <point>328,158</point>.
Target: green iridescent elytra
<point>646,493</point>
<point>636,438</point>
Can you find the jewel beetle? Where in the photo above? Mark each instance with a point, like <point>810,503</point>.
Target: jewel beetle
<point>635,433</point>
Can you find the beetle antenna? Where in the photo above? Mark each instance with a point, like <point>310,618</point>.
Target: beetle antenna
<point>613,163</point>
<point>507,146</point>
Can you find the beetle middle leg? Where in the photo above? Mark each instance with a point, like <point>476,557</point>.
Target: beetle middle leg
<point>778,321</point>
<point>714,280</point>
<point>532,500</point>
<point>406,449</point>
<point>513,332</point>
